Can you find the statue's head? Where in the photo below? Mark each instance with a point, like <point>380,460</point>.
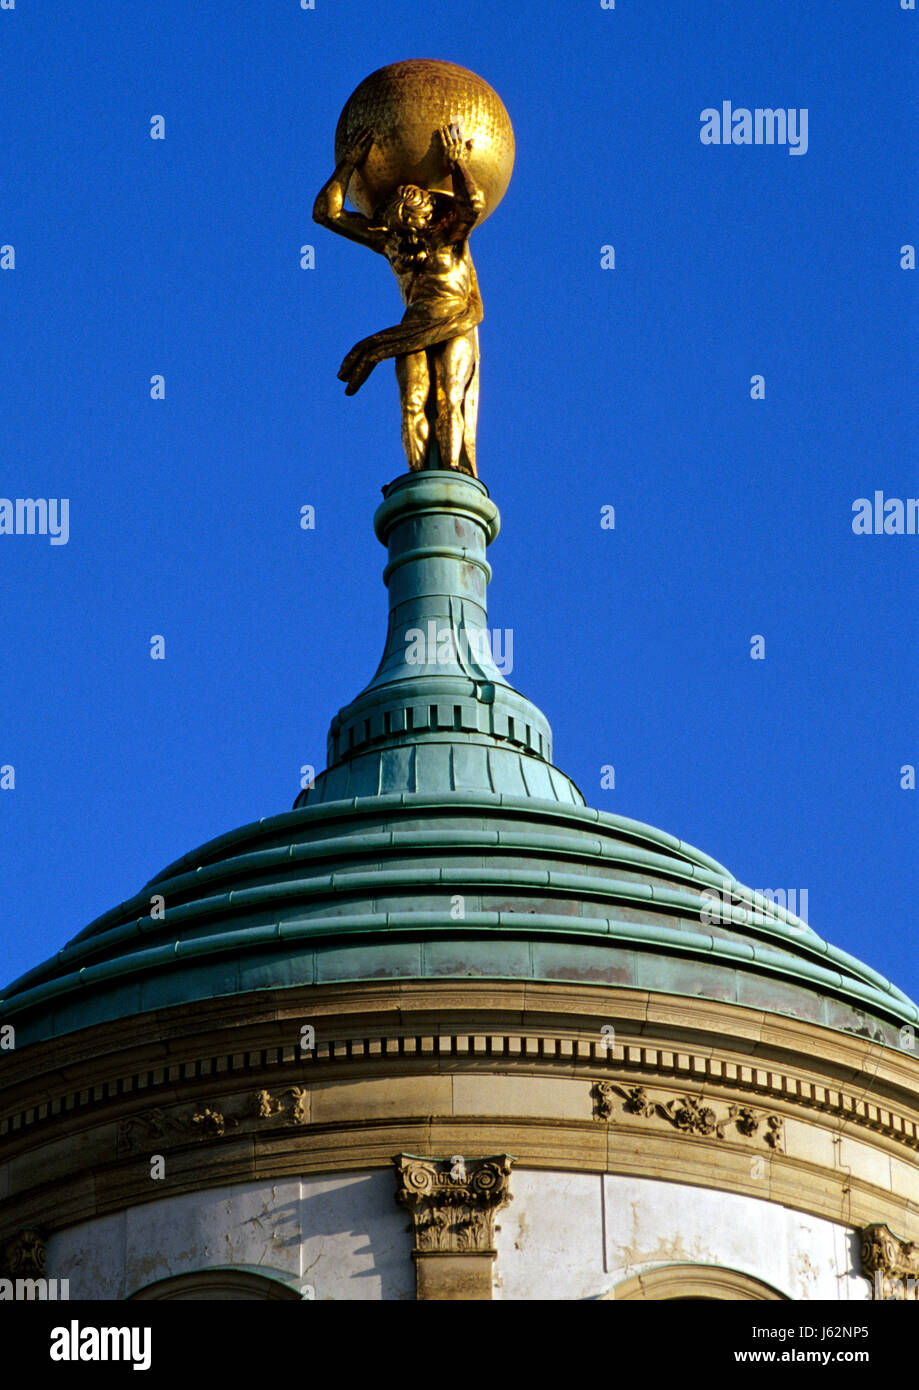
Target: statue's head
<point>410,209</point>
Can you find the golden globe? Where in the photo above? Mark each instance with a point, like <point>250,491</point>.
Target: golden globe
<point>405,105</point>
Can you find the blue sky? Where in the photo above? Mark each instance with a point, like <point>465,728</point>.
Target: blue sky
<point>628,387</point>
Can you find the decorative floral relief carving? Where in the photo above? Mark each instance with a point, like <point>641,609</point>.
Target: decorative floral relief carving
<point>155,1128</point>
<point>689,1114</point>
<point>692,1117</point>
<point>637,1103</point>
<point>775,1131</point>
<point>605,1097</point>
<point>292,1105</point>
<point>144,1131</point>
<point>746,1119</point>
<point>211,1123</point>
<point>265,1105</point>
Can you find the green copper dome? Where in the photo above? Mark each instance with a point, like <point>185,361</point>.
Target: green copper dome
<point>441,841</point>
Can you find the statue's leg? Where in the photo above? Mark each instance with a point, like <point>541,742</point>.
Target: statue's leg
<point>414,383</point>
<point>453,368</point>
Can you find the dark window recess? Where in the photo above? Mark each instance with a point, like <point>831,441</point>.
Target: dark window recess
<point>457,716</point>
<point>366,728</point>
<point>433,713</point>
<point>387,722</point>
<point>409,719</point>
<point>510,730</point>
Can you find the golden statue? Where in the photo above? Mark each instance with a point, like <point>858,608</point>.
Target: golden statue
<point>424,151</point>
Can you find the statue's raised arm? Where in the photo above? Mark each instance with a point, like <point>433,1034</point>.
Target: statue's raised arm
<point>468,198</point>
<point>329,208</point>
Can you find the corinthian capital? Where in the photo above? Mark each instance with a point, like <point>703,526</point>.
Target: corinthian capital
<point>453,1201</point>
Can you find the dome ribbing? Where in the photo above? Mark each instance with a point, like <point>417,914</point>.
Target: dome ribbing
<point>442,841</point>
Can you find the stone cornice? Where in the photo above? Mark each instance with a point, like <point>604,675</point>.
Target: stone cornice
<point>270,1017</point>
<point>695,1090</point>
<point>801,1064</point>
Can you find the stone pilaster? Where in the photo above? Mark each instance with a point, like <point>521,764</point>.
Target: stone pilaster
<point>453,1203</point>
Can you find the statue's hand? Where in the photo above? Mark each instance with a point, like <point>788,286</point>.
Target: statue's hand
<point>359,146</point>
<point>455,148</point>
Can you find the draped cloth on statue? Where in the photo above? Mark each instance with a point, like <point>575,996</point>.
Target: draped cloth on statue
<point>429,320</point>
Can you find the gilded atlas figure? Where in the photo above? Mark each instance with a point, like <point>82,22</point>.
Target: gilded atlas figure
<point>424,151</point>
